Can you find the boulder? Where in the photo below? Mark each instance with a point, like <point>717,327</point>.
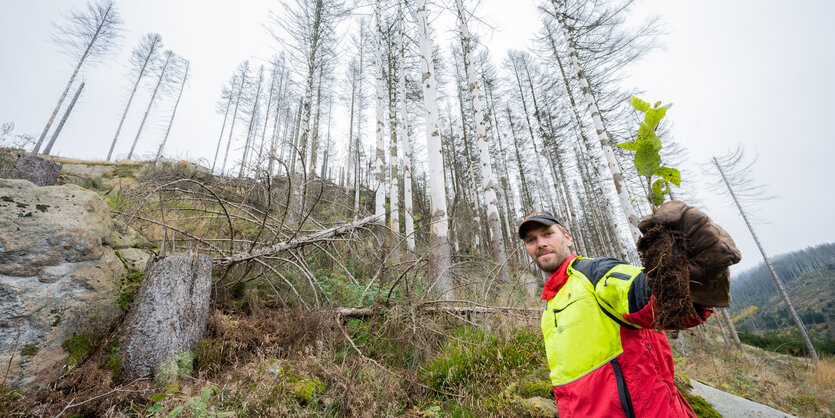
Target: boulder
<point>57,279</point>
<point>169,314</point>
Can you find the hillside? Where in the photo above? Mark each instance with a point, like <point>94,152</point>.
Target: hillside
<point>807,276</point>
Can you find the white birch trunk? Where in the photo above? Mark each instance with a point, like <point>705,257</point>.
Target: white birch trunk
<point>439,250</point>
<point>379,155</point>
<point>617,175</point>
<point>488,179</point>
<point>222,128</point>
<point>403,127</point>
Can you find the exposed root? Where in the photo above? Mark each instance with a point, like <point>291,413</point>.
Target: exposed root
<point>664,255</point>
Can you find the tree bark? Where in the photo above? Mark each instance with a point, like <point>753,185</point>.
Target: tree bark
<point>169,315</point>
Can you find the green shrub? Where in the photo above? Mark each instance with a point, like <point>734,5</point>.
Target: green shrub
<point>472,356</point>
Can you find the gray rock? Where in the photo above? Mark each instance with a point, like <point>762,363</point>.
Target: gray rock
<point>47,226</point>
<point>169,314</point>
<point>732,406</point>
<point>36,169</point>
<point>88,171</point>
<point>135,258</point>
<point>124,236</point>
<point>56,278</point>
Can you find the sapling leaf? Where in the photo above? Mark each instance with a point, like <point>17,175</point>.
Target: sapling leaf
<point>155,408</point>
<point>659,189</point>
<point>670,174</point>
<point>629,146</point>
<point>176,411</point>
<point>639,104</point>
<point>647,159</point>
<point>158,397</point>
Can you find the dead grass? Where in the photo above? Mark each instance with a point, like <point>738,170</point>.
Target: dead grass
<point>791,384</point>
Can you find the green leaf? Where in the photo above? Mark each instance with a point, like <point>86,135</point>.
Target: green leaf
<point>659,189</point>
<point>654,116</point>
<point>158,397</point>
<point>176,411</point>
<point>629,146</point>
<point>155,408</point>
<point>639,104</point>
<point>207,392</point>
<point>647,159</point>
<point>670,174</point>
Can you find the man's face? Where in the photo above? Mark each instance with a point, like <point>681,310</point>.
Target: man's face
<point>548,246</point>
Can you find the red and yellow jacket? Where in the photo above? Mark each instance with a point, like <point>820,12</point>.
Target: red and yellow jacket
<point>605,356</point>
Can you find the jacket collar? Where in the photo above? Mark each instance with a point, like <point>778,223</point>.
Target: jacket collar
<point>558,279</point>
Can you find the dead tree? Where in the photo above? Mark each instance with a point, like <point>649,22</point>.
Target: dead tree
<point>55,134</point>
<point>734,175</point>
<point>145,53</point>
<point>89,34</point>
<point>163,78</point>
<point>173,113</point>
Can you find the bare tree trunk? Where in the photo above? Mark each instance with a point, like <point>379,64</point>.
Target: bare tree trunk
<point>777,281</point>
<point>244,70</point>
<point>732,328</point>
<point>282,89</point>
<point>379,155</point>
<point>168,56</point>
<point>66,116</point>
<point>222,128</point>
<point>394,164</point>
<point>439,251</point>
<point>174,112</point>
<point>488,179</point>
<point>403,126</point>
<point>169,315</point>
<point>154,42</point>
<point>314,139</point>
<point>527,200</point>
<point>252,117</point>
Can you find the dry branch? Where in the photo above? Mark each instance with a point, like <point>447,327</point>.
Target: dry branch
<point>284,246</point>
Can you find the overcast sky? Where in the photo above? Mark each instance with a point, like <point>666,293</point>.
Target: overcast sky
<point>757,73</point>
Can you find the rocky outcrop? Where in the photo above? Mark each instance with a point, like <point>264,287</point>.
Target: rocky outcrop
<point>57,277</point>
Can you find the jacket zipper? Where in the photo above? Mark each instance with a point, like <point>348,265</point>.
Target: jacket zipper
<point>623,391</point>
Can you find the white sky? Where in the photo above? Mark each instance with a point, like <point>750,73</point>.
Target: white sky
<point>757,73</point>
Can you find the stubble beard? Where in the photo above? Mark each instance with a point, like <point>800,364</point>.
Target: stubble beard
<point>559,257</point>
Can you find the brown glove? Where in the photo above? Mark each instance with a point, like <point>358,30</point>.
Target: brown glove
<point>710,248</point>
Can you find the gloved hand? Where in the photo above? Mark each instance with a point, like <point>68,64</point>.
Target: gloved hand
<point>710,249</point>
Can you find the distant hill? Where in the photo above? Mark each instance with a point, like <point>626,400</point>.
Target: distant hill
<point>807,275</point>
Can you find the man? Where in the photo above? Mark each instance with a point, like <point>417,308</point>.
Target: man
<point>605,355</point>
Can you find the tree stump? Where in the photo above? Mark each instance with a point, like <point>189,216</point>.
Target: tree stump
<point>169,314</point>
<point>36,169</point>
